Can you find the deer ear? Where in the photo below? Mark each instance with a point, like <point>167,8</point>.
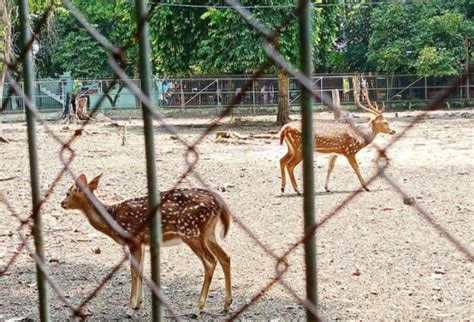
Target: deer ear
<point>372,118</point>
<point>94,183</point>
<point>81,179</point>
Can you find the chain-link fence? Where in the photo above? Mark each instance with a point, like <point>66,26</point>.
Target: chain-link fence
<point>29,223</point>
<point>217,91</point>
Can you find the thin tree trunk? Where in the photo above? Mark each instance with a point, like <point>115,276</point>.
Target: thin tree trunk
<point>466,66</point>
<point>2,84</point>
<point>6,40</point>
<point>112,100</point>
<point>336,103</point>
<point>117,94</point>
<point>283,115</point>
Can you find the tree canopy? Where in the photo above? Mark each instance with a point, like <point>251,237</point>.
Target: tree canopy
<point>217,40</point>
<point>176,34</point>
<point>429,38</point>
<point>66,46</point>
<point>426,37</point>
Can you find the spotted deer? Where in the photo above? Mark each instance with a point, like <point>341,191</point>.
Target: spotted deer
<point>81,107</point>
<point>337,137</point>
<point>187,215</point>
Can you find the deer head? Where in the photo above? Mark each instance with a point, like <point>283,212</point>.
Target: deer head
<point>380,125</point>
<point>377,121</point>
<point>75,196</point>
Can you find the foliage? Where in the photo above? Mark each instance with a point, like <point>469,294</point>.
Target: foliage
<point>336,62</point>
<point>427,37</point>
<point>355,33</point>
<point>70,48</point>
<point>231,46</point>
<point>423,37</point>
<point>176,34</point>
<point>326,27</point>
<point>432,61</point>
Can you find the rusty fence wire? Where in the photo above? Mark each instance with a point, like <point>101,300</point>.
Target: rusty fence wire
<point>29,225</point>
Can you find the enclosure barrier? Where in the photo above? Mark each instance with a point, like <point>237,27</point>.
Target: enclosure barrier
<point>216,91</point>
<point>30,225</point>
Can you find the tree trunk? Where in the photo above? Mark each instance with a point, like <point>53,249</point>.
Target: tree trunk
<point>336,103</point>
<point>105,90</point>
<point>283,115</point>
<point>6,40</point>
<point>2,83</point>
<point>117,94</point>
<point>69,115</point>
<point>466,65</point>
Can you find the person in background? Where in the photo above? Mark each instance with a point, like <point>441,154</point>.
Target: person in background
<point>264,93</point>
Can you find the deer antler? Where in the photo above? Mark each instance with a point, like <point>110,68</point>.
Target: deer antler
<point>370,108</point>
<point>383,108</point>
<point>367,98</point>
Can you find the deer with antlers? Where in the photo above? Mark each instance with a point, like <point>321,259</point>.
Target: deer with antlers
<point>187,215</point>
<point>337,137</point>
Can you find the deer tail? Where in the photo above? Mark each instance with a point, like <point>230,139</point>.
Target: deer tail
<point>225,216</point>
<point>283,131</point>
<point>226,220</point>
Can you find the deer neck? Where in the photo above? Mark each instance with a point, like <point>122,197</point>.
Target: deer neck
<point>369,134</point>
<point>95,219</point>
<point>366,133</point>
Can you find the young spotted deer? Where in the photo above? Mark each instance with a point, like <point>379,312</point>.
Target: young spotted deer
<point>187,215</point>
<point>337,137</point>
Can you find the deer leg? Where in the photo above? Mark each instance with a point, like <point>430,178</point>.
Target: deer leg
<point>201,249</point>
<point>332,162</point>
<point>353,162</point>
<point>140,278</point>
<point>283,164</point>
<point>211,259</point>
<point>136,292</point>
<point>224,261</point>
<point>295,160</point>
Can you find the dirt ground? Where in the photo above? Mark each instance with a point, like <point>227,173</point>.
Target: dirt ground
<point>378,258</point>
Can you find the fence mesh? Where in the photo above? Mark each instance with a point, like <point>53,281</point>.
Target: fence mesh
<point>27,225</point>
<point>217,91</point>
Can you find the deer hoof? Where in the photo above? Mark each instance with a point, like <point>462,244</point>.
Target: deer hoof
<point>134,305</point>
<point>366,189</point>
<point>200,308</point>
<point>135,302</point>
<point>227,304</point>
<point>193,316</point>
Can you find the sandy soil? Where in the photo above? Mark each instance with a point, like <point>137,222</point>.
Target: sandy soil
<point>378,258</point>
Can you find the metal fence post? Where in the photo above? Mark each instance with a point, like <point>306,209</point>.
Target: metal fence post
<point>322,92</point>
<point>426,88</point>
<point>181,94</point>
<point>217,94</point>
<point>468,84</point>
<point>32,150</point>
<point>288,94</point>
<point>308,175</point>
<point>253,96</point>
<point>153,195</point>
